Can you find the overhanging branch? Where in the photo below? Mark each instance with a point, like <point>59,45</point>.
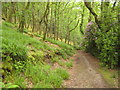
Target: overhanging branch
<point>87,4</point>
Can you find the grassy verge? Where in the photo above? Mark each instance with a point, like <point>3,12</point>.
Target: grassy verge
<point>111,76</point>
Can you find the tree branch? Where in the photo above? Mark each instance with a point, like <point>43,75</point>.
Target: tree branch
<point>87,4</point>
<point>114,4</point>
<point>75,26</point>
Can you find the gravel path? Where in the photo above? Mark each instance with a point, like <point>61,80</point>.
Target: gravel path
<point>84,74</point>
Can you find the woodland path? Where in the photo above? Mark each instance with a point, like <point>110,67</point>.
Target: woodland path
<point>84,72</point>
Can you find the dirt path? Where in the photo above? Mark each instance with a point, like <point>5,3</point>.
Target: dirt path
<point>84,73</point>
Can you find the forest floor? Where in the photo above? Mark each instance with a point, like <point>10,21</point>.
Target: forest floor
<point>84,73</point>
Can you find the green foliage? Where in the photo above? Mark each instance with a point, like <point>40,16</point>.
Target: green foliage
<point>19,80</point>
<point>54,79</point>
<point>27,18</point>
<point>40,75</point>
<point>36,56</point>
<point>6,68</point>
<point>61,44</point>
<point>55,59</point>
<point>107,44</point>
<point>15,47</point>
<point>43,75</point>
<point>8,85</point>
<point>37,72</point>
<point>62,73</point>
<point>111,76</point>
<point>104,44</point>
<point>23,59</point>
<point>19,65</point>
<point>25,31</point>
<point>43,85</point>
<point>103,41</point>
<point>63,54</point>
<point>11,46</point>
<point>9,24</point>
<point>69,64</point>
<point>65,51</point>
<point>37,35</point>
<point>21,53</point>
<point>61,63</point>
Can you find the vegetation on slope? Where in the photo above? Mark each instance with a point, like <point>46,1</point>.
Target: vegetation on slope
<point>27,62</point>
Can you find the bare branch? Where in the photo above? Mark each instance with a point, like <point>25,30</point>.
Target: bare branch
<point>75,26</point>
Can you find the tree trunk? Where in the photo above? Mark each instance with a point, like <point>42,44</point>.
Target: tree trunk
<point>46,21</point>
<point>81,24</point>
<point>22,22</point>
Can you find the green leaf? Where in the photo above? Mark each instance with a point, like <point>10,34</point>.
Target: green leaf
<point>13,86</point>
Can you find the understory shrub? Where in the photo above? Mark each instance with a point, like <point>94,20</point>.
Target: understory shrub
<point>103,43</point>
<point>107,44</point>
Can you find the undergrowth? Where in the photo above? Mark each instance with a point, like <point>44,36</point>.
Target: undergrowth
<point>26,59</point>
<point>40,75</point>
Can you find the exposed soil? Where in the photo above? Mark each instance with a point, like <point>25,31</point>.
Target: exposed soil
<point>84,73</point>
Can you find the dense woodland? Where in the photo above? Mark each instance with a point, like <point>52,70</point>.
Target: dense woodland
<point>31,28</point>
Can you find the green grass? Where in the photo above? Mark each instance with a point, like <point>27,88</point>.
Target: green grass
<point>55,59</point>
<point>15,45</point>
<point>63,73</point>
<point>69,64</point>
<point>40,75</point>
<point>68,49</point>
<point>109,76</point>
<point>61,63</point>
<point>8,85</point>
<point>61,44</point>
<point>43,85</point>
<point>18,41</point>
<point>16,79</point>
<point>24,56</point>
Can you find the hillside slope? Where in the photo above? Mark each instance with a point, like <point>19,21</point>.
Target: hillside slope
<point>29,62</point>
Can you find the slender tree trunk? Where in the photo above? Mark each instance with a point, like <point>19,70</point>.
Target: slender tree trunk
<point>81,24</point>
<point>14,11</point>
<point>55,27</point>
<point>68,37</point>
<point>10,12</point>
<point>22,22</point>
<point>44,35</point>
<point>33,24</point>
<point>67,34</point>
<point>46,21</point>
